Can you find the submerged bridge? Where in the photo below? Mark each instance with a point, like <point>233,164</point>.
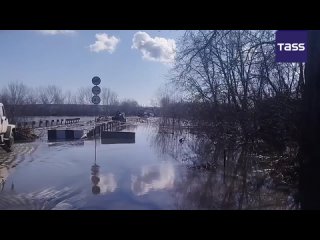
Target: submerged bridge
<point>72,134</point>
<point>73,128</point>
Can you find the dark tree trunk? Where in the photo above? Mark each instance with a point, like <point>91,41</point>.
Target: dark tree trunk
<point>300,86</point>
<point>310,138</point>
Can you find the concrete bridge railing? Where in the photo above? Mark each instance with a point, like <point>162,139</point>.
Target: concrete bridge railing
<point>47,123</point>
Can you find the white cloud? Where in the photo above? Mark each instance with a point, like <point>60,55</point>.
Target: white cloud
<point>56,32</point>
<point>104,43</point>
<point>154,49</point>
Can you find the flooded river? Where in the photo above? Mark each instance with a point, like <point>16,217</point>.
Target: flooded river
<point>160,170</point>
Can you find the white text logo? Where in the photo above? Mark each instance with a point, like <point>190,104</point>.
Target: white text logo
<point>291,47</point>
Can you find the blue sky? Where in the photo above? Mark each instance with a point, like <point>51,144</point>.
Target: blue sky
<point>69,59</point>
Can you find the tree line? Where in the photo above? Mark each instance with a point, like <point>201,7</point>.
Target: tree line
<point>235,67</point>
<point>22,100</point>
<point>229,78</point>
<point>17,93</point>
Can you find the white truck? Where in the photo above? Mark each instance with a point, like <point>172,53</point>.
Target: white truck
<point>6,131</point>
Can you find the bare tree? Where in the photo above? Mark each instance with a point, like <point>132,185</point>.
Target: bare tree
<point>55,94</point>
<point>113,99</point>
<point>16,93</point>
<point>105,95</point>
<point>69,98</point>
<point>84,95</point>
<point>4,96</point>
<point>236,67</point>
<point>50,95</point>
<point>108,97</point>
<point>43,97</point>
<point>32,96</point>
<point>234,62</point>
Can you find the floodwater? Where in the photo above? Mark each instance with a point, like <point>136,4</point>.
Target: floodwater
<point>160,170</point>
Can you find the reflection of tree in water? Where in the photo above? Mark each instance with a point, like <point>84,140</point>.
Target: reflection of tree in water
<point>195,151</point>
<point>167,144</point>
<point>239,187</point>
<point>244,183</point>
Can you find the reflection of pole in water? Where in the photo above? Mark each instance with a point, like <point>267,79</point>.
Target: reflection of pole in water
<point>224,165</point>
<point>95,179</point>
<point>2,184</point>
<point>95,141</point>
<point>95,168</point>
<point>224,159</point>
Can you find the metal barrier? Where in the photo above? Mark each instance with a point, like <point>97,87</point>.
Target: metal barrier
<point>47,123</point>
<point>72,120</point>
